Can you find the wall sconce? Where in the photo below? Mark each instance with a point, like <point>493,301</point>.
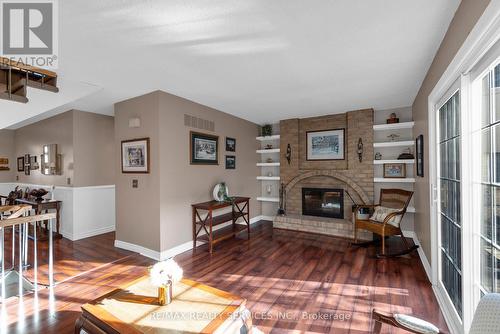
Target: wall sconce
<point>134,122</point>
<point>360,149</point>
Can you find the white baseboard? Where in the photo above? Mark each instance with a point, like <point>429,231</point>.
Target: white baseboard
<point>421,254</point>
<point>88,234</point>
<point>138,249</point>
<point>171,252</point>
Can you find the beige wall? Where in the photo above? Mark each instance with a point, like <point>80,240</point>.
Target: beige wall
<point>85,141</point>
<point>182,184</point>
<point>464,20</point>
<point>94,149</point>
<point>31,138</point>
<point>157,215</point>
<point>7,151</point>
<point>138,209</point>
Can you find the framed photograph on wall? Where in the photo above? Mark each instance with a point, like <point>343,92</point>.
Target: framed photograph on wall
<point>230,144</point>
<point>204,149</point>
<point>230,162</point>
<point>135,156</point>
<point>325,145</point>
<point>20,164</point>
<point>394,170</point>
<point>419,145</point>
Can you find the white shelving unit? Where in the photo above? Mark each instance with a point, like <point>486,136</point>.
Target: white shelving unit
<point>394,180</point>
<point>391,149</point>
<point>393,126</point>
<point>270,172</point>
<point>393,161</point>
<point>393,143</point>
<point>268,199</point>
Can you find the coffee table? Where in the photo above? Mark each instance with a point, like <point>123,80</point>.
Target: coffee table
<point>196,308</point>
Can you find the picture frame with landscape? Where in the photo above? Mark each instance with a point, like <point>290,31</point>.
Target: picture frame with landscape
<point>204,149</point>
<point>135,156</point>
<point>325,145</point>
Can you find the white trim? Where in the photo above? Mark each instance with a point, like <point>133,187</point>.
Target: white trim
<point>155,255</point>
<point>171,252</point>
<point>88,234</point>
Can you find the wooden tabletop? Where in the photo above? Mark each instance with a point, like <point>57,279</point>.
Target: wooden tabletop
<point>196,308</point>
<point>217,205</point>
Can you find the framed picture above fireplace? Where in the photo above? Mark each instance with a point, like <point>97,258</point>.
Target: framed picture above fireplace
<point>325,145</point>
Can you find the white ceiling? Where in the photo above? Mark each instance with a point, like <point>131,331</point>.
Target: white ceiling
<point>257,59</point>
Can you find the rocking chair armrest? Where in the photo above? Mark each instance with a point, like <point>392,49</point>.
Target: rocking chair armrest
<point>389,318</point>
<point>392,215</point>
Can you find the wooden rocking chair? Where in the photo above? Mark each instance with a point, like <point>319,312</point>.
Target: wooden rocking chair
<point>385,219</point>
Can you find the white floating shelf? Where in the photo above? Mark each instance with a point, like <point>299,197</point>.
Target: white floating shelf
<point>268,164</point>
<point>394,180</point>
<point>394,161</point>
<point>393,126</point>
<point>268,178</point>
<point>267,138</point>
<point>410,209</point>
<point>273,150</point>
<point>268,199</point>
<point>394,143</point>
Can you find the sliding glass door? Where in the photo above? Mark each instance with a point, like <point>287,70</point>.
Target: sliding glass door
<point>487,178</point>
<point>449,208</point>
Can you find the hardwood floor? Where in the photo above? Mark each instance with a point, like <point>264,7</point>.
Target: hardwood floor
<point>294,282</point>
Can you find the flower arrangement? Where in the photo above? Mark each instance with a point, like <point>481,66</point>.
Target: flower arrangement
<point>165,273</point>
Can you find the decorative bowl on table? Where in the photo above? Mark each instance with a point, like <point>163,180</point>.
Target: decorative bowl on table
<point>38,194</point>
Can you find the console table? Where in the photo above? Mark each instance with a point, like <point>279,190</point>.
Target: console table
<point>44,206</point>
<point>240,209</point>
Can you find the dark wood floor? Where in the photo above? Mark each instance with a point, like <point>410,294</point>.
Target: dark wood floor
<point>294,282</point>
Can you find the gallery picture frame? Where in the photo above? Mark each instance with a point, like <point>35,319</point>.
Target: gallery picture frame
<point>230,162</point>
<point>395,170</point>
<point>230,144</point>
<point>138,142</point>
<point>195,138</point>
<point>20,164</point>
<point>419,155</point>
<point>341,132</point>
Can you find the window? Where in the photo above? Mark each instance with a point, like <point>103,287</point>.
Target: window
<point>450,205</point>
<point>490,181</point>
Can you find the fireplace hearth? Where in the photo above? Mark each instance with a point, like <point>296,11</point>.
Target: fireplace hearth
<point>322,202</point>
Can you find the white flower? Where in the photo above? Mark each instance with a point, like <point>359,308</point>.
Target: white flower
<point>165,272</point>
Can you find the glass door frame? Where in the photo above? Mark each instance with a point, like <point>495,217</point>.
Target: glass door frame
<point>434,171</point>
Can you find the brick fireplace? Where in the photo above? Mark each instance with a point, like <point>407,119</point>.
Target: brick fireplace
<point>349,176</point>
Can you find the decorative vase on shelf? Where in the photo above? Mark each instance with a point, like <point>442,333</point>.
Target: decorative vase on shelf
<point>164,275</point>
<point>220,192</point>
